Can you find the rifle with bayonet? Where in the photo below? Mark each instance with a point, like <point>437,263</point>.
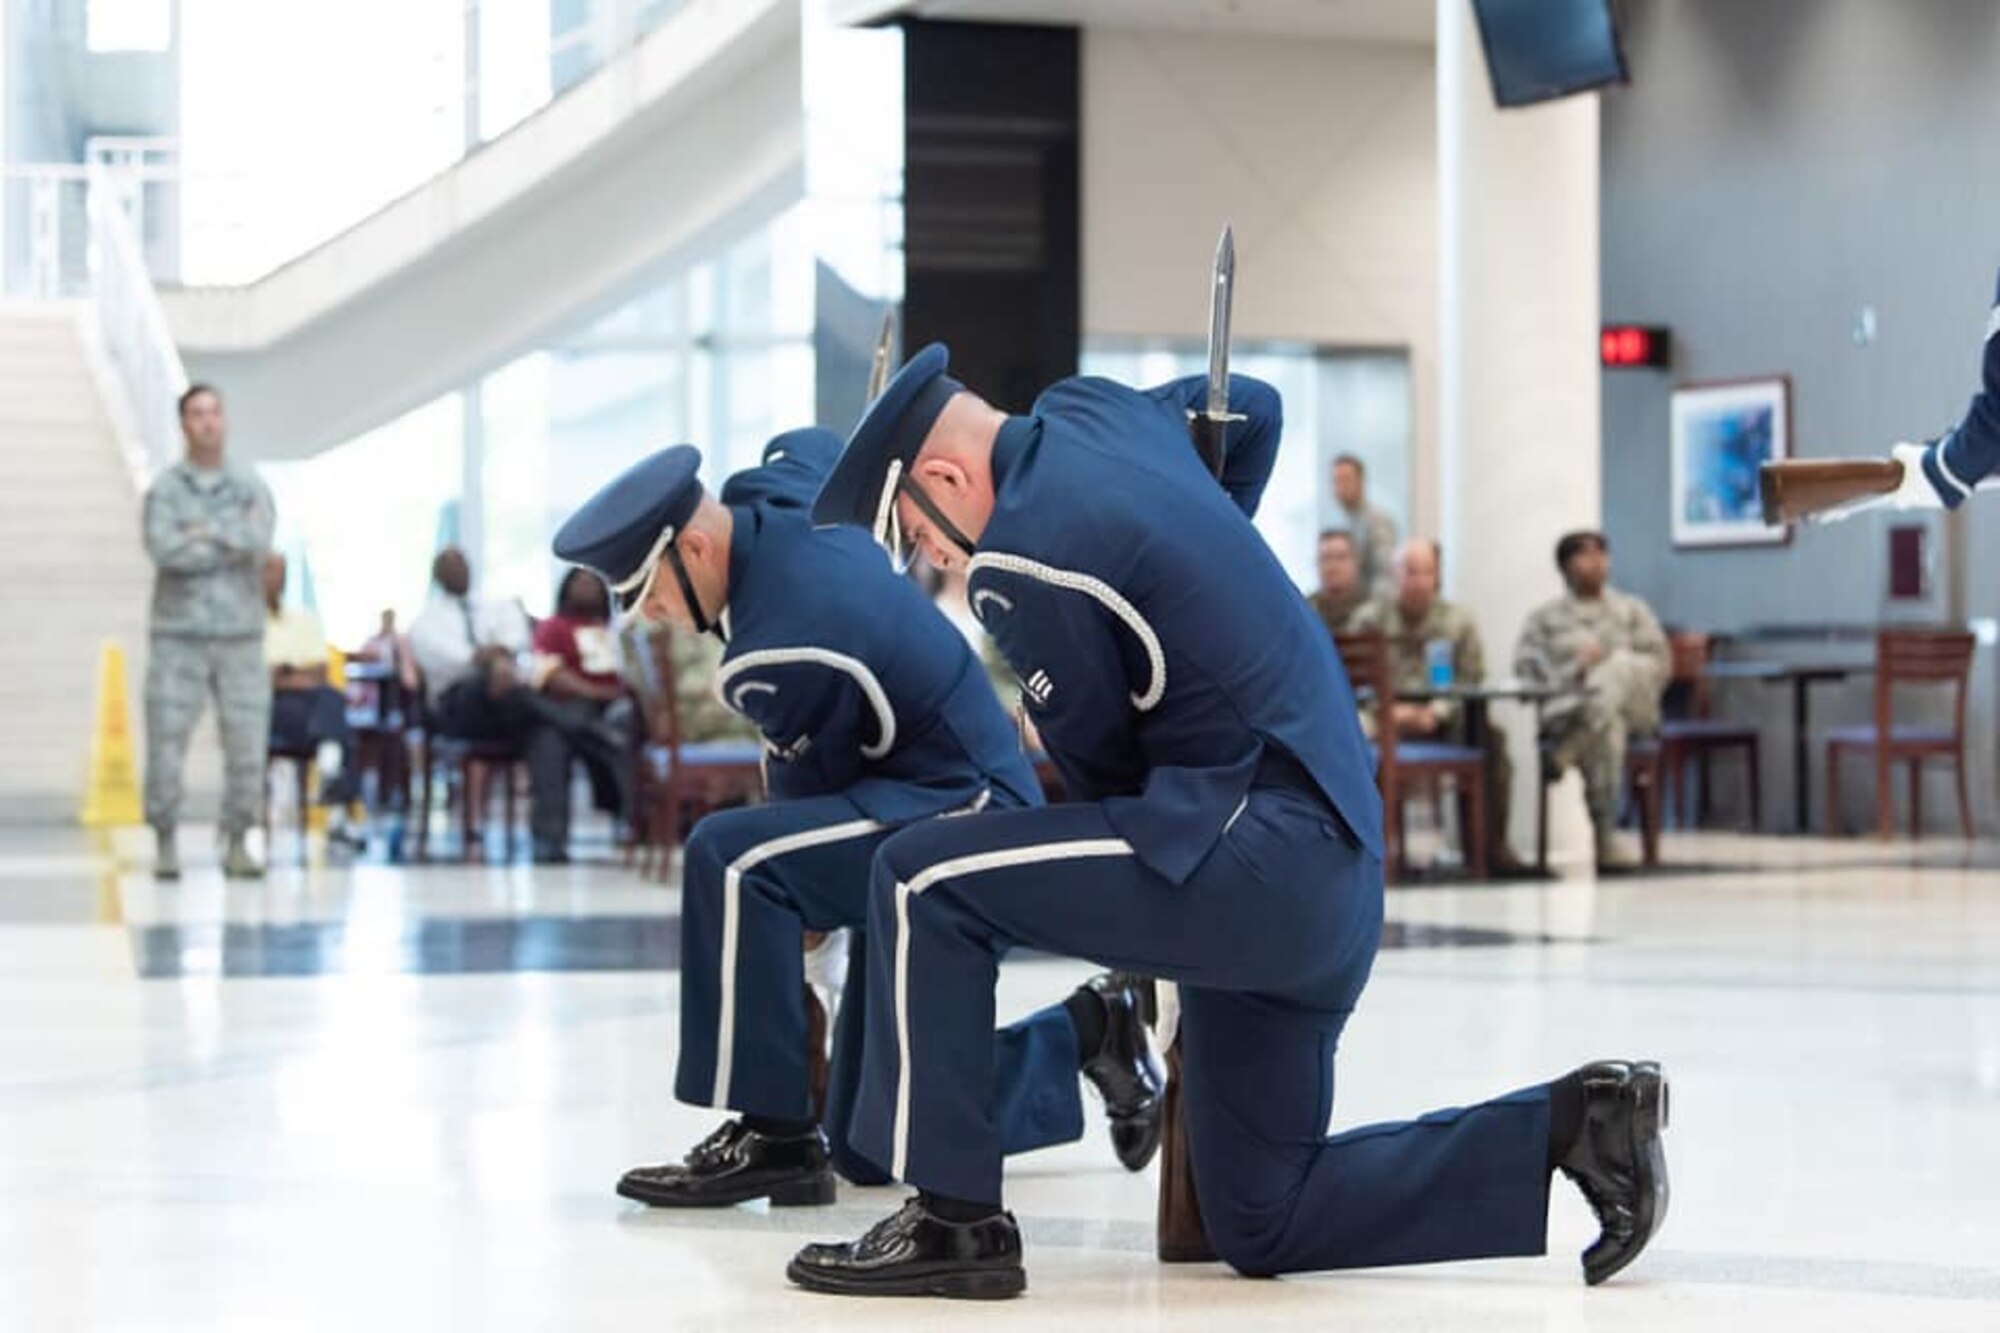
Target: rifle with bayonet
<point>1182,1236</point>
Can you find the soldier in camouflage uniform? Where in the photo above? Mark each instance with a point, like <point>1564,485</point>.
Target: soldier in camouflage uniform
<point>1411,622</point>
<point>696,658</point>
<point>1610,646</point>
<point>207,529</point>
<point>1341,592</point>
<point>1373,531</point>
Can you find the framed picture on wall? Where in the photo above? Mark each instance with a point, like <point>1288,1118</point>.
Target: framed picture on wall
<point>1721,433</point>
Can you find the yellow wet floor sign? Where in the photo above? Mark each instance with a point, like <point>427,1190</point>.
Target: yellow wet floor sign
<point>112,798</point>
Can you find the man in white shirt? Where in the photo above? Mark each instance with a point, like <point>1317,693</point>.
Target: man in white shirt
<point>457,636</point>
<point>470,651</point>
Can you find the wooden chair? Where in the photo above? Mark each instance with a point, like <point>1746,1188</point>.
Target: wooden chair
<point>1054,790</point>
<point>1907,657</point>
<point>1645,766</point>
<point>1692,732</point>
<point>469,768</point>
<point>1407,768</point>
<point>1644,777</point>
<point>676,782</point>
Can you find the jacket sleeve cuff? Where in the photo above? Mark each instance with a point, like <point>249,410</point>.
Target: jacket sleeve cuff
<point>1949,487</point>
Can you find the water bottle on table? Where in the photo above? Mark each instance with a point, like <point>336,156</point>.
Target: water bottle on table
<point>1438,663</point>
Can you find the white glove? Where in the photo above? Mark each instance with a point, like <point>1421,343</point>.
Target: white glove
<point>826,969</point>
<point>1916,492</point>
<point>1168,1029</point>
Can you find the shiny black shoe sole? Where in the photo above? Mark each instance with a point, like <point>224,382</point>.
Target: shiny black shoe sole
<point>1649,1089</point>
<point>1150,1127</point>
<point>805,1192</point>
<point>955,1284</point>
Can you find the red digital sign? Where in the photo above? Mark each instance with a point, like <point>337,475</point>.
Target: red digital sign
<point>1623,346</point>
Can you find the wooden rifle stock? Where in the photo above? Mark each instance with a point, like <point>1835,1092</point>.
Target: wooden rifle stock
<point>1797,488</point>
<point>1183,1238</point>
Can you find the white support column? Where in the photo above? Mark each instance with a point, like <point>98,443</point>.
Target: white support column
<point>1518,376</point>
<point>472,476</point>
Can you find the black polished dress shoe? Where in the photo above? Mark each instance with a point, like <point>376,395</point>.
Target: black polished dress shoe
<point>1616,1159</point>
<point>1124,1072</point>
<point>913,1252</point>
<point>735,1165</point>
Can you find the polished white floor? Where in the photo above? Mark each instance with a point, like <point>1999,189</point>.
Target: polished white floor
<point>370,1149</point>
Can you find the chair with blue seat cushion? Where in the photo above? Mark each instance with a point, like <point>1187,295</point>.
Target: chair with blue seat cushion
<point>1691,731</point>
<point>1925,657</point>
<point>1405,768</point>
<point>1423,767</point>
<point>1645,768</point>
<point>676,782</point>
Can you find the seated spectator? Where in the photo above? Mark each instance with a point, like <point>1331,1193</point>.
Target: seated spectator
<point>696,658</point>
<point>307,713</point>
<point>469,651</point>
<point>1417,623</point>
<point>389,647</point>
<point>461,645</point>
<point>1608,646</point>
<point>577,671</point>
<point>1340,593</point>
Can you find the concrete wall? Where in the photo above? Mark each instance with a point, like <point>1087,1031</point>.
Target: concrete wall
<point>1772,170</point>
<point>1322,154</point>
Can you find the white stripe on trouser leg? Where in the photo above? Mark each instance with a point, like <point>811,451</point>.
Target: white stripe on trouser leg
<point>1083,849</point>
<point>732,879</point>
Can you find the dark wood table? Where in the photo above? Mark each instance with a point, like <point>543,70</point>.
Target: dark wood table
<point>1802,675</point>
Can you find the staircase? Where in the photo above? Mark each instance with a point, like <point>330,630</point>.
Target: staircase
<point>76,572</point>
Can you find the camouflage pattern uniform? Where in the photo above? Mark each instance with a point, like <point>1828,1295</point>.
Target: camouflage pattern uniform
<point>696,658</point>
<point>1338,612</point>
<point>1374,534</point>
<point>207,531</point>
<point>1619,695</point>
<point>1409,642</point>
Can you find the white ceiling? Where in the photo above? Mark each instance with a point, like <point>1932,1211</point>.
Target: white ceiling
<point>1352,20</point>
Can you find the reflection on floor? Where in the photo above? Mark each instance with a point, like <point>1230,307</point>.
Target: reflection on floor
<point>396,1097</point>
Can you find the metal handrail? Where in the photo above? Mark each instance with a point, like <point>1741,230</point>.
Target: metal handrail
<point>132,328</point>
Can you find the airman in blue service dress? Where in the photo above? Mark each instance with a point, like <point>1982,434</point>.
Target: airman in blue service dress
<point>1226,835</point>
<point>1954,463</point>
<point>874,716</point>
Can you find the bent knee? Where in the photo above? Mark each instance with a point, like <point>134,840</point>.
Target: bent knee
<point>1247,1247</point>
<point>907,852</point>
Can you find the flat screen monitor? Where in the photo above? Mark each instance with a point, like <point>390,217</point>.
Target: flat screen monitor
<point>1537,50</point>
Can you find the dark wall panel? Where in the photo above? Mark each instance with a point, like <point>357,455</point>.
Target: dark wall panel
<point>992,202</point>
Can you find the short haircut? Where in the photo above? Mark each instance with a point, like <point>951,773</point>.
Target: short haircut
<point>1573,542</point>
<point>1353,461</point>
<point>1341,534</point>
<point>1429,544</point>
<point>195,391</point>
<point>572,576</point>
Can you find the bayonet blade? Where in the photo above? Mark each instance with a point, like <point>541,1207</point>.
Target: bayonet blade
<point>878,372</point>
<point>1219,296</point>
